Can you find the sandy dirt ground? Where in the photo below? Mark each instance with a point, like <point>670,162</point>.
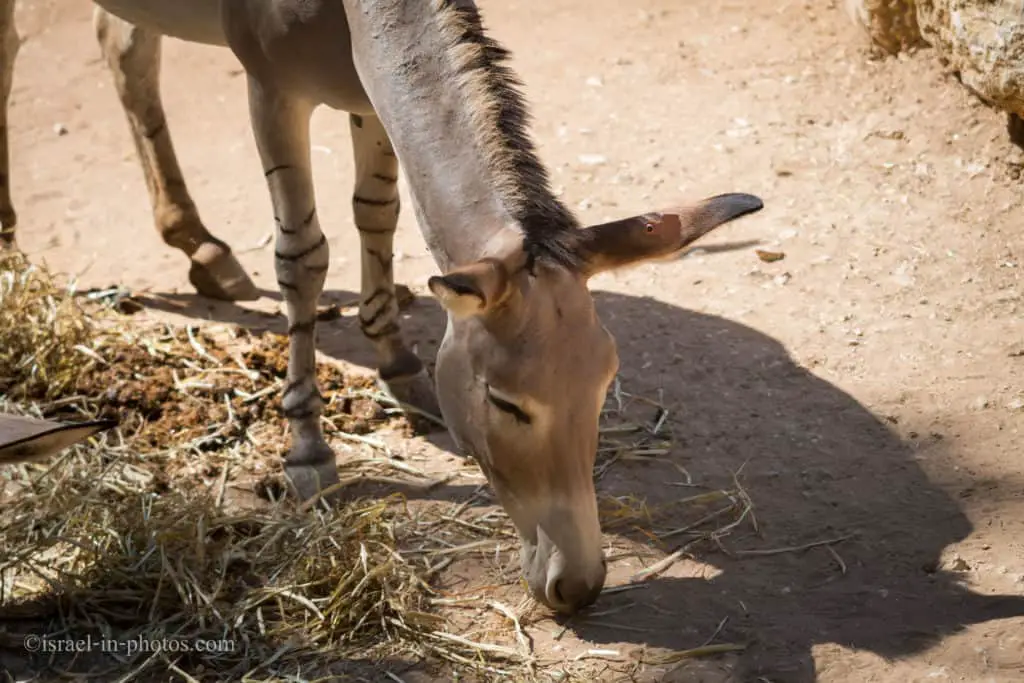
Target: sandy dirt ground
<point>870,384</point>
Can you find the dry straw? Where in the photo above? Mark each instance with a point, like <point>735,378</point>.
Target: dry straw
<point>41,330</point>
<point>98,544</point>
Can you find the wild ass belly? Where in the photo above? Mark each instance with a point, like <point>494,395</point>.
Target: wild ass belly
<point>308,52</point>
<point>301,46</point>
<point>196,21</point>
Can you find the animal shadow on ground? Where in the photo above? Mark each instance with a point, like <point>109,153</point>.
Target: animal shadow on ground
<point>816,464</point>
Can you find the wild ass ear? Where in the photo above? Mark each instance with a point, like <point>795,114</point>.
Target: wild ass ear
<point>473,289</point>
<point>650,236</point>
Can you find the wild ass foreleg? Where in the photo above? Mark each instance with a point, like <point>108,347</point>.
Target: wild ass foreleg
<point>9,44</point>
<point>281,125</point>
<point>375,207</point>
<point>133,56</point>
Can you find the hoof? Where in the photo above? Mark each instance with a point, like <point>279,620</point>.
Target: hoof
<point>217,274</point>
<point>308,481</point>
<point>416,391</point>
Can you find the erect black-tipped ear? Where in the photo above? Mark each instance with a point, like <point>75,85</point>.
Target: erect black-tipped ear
<point>645,237</point>
<point>473,289</point>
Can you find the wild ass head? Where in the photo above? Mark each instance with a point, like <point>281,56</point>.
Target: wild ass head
<point>522,376</point>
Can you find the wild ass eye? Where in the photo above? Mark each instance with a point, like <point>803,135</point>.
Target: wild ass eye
<point>506,406</point>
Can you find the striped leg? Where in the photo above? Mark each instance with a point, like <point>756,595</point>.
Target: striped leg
<point>281,125</point>
<point>9,44</point>
<point>133,56</point>
<point>375,207</point>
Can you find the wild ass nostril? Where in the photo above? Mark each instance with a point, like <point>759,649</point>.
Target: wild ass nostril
<point>556,593</point>
<point>569,595</point>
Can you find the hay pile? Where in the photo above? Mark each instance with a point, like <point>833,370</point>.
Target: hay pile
<point>280,592</point>
<point>126,539</point>
<point>41,331</point>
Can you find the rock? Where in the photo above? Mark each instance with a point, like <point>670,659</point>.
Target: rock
<point>959,564</point>
<point>890,24</point>
<point>983,41</point>
<point>769,256</point>
<point>974,168</point>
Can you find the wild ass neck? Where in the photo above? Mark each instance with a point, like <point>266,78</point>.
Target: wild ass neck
<point>431,76</point>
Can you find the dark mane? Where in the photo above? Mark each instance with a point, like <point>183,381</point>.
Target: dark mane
<point>501,120</point>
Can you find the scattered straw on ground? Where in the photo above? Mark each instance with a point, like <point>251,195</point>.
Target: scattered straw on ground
<point>111,541</point>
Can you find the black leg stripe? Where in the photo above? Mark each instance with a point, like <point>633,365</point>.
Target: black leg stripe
<point>364,323</point>
<point>384,262</point>
<point>374,202</point>
<point>376,294</point>
<point>301,327</point>
<point>375,231</point>
<point>290,387</point>
<point>280,226</point>
<point>305,252</point>
<point>159,128</point>
<point>275,169</point>
<point>388,330</point>
<point>298,413</point>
